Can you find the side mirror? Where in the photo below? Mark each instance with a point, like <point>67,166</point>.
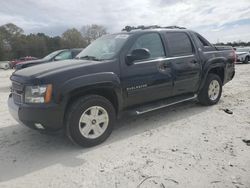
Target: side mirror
<point>137,54</point>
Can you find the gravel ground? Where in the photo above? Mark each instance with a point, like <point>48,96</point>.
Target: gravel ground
<point>187,145</point>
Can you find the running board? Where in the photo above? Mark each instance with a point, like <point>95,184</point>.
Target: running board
<point>162,104</point>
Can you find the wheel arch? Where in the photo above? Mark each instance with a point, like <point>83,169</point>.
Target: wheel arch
<point>105,90</point>
<point>218,69</point>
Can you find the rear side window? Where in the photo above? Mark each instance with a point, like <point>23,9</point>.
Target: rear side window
<point>64,55</point>
<point>152,42</point>
<point>179,44</point>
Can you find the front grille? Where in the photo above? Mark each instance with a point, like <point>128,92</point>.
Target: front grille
<point>17,86</point>
<point>17,92</point>
<point>17,98</point>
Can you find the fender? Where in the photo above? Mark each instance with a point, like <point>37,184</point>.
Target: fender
<point>96,80</point>
<point>216,62</point>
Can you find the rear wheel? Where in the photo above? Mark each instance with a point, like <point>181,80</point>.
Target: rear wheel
<point>90,120</point>
<point>211,91</point>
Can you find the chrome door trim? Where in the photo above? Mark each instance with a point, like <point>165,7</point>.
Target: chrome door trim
<point>163,59</point>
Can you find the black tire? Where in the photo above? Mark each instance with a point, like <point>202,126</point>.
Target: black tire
<point>6,67</point>
<point>74,113</point>
<point>203,96</point>
<point>247,59</point>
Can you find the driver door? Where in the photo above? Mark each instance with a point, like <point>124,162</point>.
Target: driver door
<point>149,79</point>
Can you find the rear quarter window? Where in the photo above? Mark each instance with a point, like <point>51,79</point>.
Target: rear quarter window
<point>179,44</point>
<point>204,43</point>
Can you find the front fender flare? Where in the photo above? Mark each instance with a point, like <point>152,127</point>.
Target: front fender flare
<point>106,79</point>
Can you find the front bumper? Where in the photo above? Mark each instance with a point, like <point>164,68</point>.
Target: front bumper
<point>39,116</point>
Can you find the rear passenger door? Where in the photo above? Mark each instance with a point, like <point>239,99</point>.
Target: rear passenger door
<point>185,64</point>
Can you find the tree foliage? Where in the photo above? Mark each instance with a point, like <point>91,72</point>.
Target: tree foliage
<point>15,44</point>
<point>72,38</point>
<point>92,32</point>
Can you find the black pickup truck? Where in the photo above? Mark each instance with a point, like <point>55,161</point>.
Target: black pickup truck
<point>135,71</point>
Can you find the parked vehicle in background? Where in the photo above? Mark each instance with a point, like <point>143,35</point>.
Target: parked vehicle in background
<point>54,56</point>
<point>4,65</point>
<point>13,63</point>
<point>243,54</point>
<point>132,72</point>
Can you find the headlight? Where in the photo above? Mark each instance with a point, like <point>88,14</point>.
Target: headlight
<point>38,94</point>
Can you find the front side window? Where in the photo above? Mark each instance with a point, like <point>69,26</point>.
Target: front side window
<point>179,44</point>
<point>152,42</point>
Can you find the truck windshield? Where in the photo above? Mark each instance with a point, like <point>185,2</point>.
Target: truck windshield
<point>104,48</point>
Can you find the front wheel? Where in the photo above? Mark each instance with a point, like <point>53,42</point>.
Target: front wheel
<point>211,91</point>
<point>6,66</point>
<point>89,120</point>
<point>247,59</point>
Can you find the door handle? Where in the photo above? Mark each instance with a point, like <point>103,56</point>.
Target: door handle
<point>194,62</point>
<point>164,66</point>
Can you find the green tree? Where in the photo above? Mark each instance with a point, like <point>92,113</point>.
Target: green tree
<point>12,29</point>
<point>1,51</point>
<point>36,45</point>
<point>72,38</point>
<point>10,35</point>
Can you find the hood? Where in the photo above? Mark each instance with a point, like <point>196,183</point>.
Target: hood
<point>59,72</point>
<point>53,67</point>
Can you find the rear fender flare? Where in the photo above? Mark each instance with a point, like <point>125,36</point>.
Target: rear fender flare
<point>211,64</point>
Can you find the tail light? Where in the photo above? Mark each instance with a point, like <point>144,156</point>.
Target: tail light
<point>235,57</point>
<point>233,54</point>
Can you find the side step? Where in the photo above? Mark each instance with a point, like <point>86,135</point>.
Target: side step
<point>161,104</point>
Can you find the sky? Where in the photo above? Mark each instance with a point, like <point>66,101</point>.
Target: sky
<point>217,20</point>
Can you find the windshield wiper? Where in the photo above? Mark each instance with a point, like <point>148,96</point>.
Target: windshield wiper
<point>89,58</point>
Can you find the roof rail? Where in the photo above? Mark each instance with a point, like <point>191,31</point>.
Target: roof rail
<point>142,27</point>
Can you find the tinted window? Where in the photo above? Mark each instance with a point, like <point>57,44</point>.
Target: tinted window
<point>179,44</point>
<point>152,42</point>
<point>203,41</point>
<point>75,53</point>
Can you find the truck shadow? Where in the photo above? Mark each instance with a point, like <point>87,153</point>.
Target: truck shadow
<point>241,63</point>
<point>24,151</point>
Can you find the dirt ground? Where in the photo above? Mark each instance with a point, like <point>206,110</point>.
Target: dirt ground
<point>187,145</point>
